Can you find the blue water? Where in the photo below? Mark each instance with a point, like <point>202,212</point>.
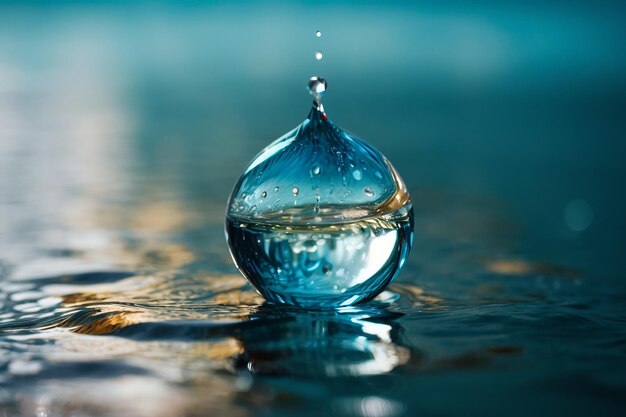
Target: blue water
<point>122,130</point>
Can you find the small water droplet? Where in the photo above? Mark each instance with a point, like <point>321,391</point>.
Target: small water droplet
<point>318,34</point>
<point>319,55</point>
<point>295,191</point>
<point>276,189</point>
<point>315,170</point>
<point>357,175</point>
<point>264,194</point>
<point>368,192</point>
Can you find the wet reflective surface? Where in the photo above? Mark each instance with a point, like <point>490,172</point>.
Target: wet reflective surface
<point>118,295</point>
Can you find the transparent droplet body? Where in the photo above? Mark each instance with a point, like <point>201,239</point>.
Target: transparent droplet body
<point>325,237</point>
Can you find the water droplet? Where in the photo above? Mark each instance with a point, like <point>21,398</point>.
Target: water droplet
<point>318,34</point>
<point>346,240</point>
<point>317,87</point>
<point>318,55</point>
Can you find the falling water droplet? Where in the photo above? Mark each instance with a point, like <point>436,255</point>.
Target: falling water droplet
<point>318,34</point>
<point>315,170</point>
<point>319,55</point>
<point>295,191</point>
<point>276,189</point>
<point>264,194</point>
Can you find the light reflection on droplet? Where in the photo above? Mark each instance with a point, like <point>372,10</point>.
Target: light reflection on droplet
<point>319,55</point>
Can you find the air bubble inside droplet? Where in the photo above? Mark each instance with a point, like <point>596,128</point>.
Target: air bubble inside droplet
<point>341,235</point>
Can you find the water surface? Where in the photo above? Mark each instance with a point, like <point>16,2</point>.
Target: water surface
<point>123,129</point>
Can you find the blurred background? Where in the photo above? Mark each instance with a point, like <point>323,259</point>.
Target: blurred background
<point>124,125</point>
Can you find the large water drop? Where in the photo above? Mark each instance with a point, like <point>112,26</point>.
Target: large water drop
<point>339,236</point>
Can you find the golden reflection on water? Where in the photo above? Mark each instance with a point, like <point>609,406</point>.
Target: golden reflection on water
<point>109,323</point>
<point>519,267</point>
